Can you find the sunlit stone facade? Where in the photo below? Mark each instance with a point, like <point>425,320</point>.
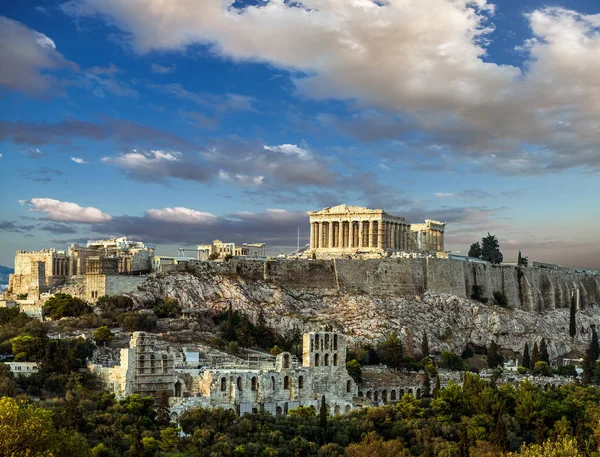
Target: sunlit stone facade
<point>346,229</point>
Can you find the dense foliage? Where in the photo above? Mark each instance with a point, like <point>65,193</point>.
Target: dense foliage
<point>474,420</point>
<point>64,305</point>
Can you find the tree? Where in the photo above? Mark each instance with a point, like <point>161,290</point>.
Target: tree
<point>169,307</point>
<point>544,356</point>
<point>475,250</point>
<point>490,249</point>
<point>542,368</point>
<point>426,385</point>
<point>373,445</point>
<point>102,335</point>
<point>65,305</point>
<point>436,386</point>
<point>588,366</point>
<point>535,354</point>
<point>572,320</point>
<point>565,446</point>
<point>27,430</point>
<point>522,261</point>
<point>391,351</point>
<point>425,345</point>
<point>594,344</point>
<point>526,359</point>
<point>453,361</point>
<point>500,438</point>
<point>229,332</point>
<point>354,370</point>
<point>323,416</point>
<point>495,359</point>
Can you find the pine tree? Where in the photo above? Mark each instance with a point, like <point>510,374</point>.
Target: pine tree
<point>535,355</point>
<point>425,345</point>
<point>475,250</point>
<point>490,249</point>
<point>544,357</point>
<point>526,360</point>
<point>572,321</point>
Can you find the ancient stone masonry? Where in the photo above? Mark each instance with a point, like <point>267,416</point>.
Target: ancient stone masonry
<point>94,265</point>
<point>347,230</point>
<point>261,383</point>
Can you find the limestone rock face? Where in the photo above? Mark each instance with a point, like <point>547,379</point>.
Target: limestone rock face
<point>450,321</point>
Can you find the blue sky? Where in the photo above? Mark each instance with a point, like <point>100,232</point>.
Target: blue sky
<point>185,123</point>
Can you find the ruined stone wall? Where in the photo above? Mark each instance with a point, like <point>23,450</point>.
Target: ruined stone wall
<point>141,261</point>
<point>529,289</point>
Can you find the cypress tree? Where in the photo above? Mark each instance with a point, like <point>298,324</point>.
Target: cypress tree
<point>535,355</point>
<point>526,360</point>
<point>436,387</point>
<point>425,345</point>
<point>544,357</point>
<point>500,438</point>
<point>426,384</point>
<point>572,322</point>
<point>588,366</point>
<point>519,259</point>
<point>595,346</point>
<point>323,414</point>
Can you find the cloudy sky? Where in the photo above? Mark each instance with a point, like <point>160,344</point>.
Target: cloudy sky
<point>184,121</point>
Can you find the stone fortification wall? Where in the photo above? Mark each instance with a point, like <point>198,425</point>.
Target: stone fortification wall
<point>529,289</point>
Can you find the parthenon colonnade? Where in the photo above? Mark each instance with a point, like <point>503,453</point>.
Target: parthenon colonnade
<point>352,228</point>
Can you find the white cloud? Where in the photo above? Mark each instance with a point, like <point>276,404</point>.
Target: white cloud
<point>56,210</point>
<point>0,156</point>
<point>240,179</point>
<point>290,150</point>
<point>161,70</point>
<point>444,194</point>
<point>27,57</point>
<point>181,215</point>
<point>424,60</point>
<point>78,160</point>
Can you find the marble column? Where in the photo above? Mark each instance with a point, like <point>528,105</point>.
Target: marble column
<point>330,234</point>
<point>392,236</point>
<point>312,235</point>
<point>380,233</point>
<point>361,234</point>
<point>351,234</point>
<point>319,234</point>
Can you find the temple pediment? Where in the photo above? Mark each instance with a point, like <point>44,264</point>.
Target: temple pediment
<point>345,209</point>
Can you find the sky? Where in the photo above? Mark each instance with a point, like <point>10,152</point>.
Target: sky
<point>180,122</point>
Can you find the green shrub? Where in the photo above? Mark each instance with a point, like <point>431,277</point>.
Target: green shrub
<point>65,305</point>
<point>542,369</point>
<point>452,361</point>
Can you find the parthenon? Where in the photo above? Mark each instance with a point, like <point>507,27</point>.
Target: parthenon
<point>346,229</point>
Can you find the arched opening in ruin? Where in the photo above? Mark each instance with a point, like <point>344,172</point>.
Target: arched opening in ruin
<point>401,393</point>
<point>360,394</point>
<point>165,363</point>
<point>327,341</point>
<point>142,363</point>
<point>337,410</point>
<point>152,363</point>
<point>335,342</point>
<point>369,395</point>
<point>326,360</point>
<point>286,382</point>
<point>286,360</point>
<point>273,382</point>
<point>254,383</point>
<point>317,342</point>
<point>347,409</point>
<point>301,382</point>
<point>174,417</point>
<point>376,396</point>
<point>178,389</point>
<point>418,394</point>
<point>239,383</point>
<point>223,384</point>
<point>410,391</point>
<point>335,360</point>
<point>384,395</point>
<point>278,411</point>
<point>254,410</point>
<point>392,395</point>
<point>317,360</point>
<point>349,385</point>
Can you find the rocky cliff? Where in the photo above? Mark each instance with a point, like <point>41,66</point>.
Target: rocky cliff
<point>368,299</point>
